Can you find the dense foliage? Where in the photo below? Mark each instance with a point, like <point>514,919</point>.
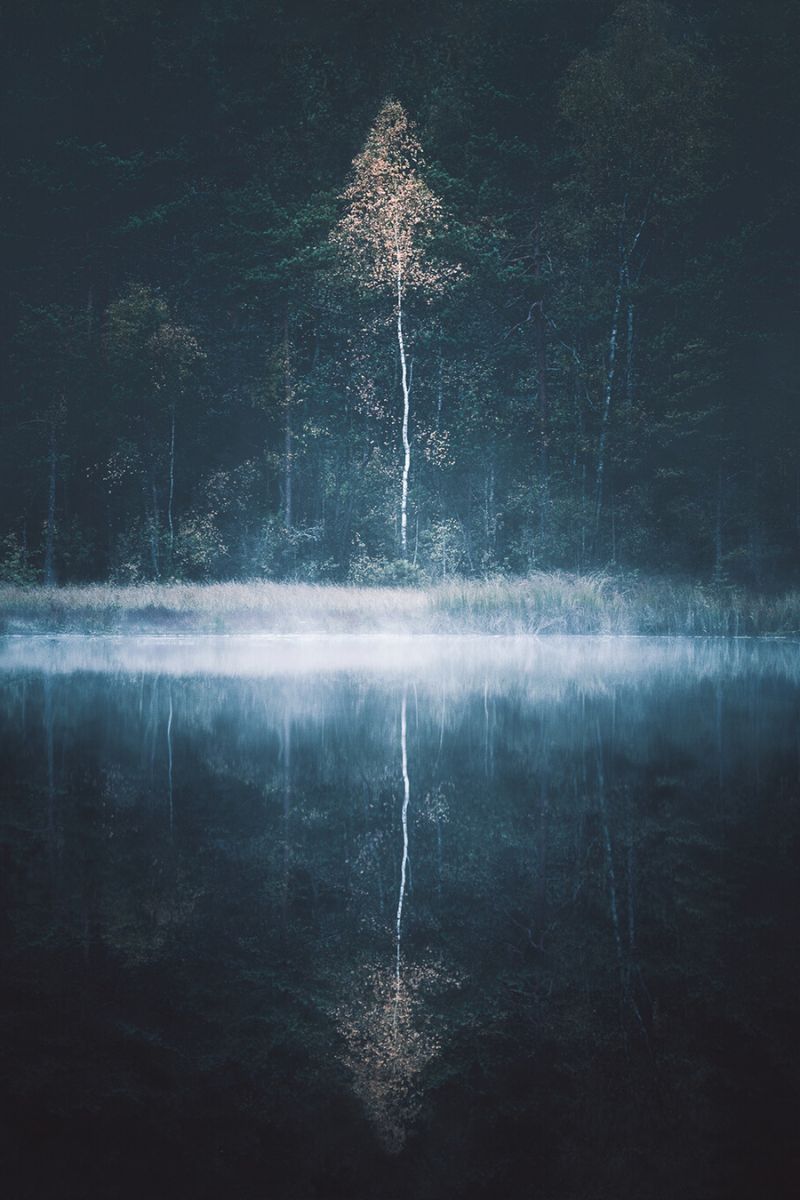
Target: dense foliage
<point>198,385</point>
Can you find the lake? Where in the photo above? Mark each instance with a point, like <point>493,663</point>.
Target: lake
<point>381,918</point>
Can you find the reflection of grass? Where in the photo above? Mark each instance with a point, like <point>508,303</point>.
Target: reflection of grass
<point>552,602</point>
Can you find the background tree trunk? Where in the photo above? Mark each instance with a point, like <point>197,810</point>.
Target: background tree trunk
<point>288,433</point>
<point>50,526</point>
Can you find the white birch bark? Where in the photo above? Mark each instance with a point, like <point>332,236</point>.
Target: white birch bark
<point>406,410</point>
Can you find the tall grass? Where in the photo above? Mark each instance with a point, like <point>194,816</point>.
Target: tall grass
<point>543,603</point>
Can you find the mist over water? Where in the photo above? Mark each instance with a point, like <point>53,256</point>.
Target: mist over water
<point>381,917</point>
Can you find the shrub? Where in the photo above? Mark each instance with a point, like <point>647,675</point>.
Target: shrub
<point>199,548</point>
<point>14,565</point>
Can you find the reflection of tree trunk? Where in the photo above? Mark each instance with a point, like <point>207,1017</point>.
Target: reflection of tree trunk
<point>442,718</point>
<point>631,881</point>
<point>542,822</point>
<point>152,724</point>
<point>169,759</point>
<point>404,822</point>
<point>48,721</point>
<point>718,727</point>
<point>439,848</point>
<point>287,805</point>
<point>611,878</point>
<point>630,974</point>
<point>488,733</point>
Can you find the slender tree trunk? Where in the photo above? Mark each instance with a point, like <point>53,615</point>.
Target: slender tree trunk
<point>288,479</point>
<point>579,463</point>
<point>626,252</point>
<point>629,342</point>
<point>718,530</point>
<point>490,524</point>
<point>50,527</point>
<point>607,397</point>
<point>171,492</point>
<point>406,407</point>
<point>154,525</point>
<point>540,348</point>
<point>543,417</point>
<point>755,526</point>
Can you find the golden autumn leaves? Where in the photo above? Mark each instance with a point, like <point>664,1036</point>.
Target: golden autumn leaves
<point>391,213</point>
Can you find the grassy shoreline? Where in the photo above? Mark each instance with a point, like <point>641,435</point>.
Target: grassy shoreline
<point>538,604</point>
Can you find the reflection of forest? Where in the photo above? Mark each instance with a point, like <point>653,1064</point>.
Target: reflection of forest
<point>201,900</point>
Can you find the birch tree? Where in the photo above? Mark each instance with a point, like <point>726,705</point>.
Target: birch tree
<point>383,235</point>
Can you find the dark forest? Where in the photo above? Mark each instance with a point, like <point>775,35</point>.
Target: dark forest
<point>199,384</point>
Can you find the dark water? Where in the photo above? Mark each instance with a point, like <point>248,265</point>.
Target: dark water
<point>591,845</point>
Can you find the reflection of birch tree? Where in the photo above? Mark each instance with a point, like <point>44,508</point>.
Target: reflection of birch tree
<point>387,1031</point>
<point>390,1038</point>
<point>169,761</point>
<point>404,823</point>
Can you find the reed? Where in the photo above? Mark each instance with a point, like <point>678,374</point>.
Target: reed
<point>543,603</point>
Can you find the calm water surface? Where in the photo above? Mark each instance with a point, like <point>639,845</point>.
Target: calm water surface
<point>385,918</point>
